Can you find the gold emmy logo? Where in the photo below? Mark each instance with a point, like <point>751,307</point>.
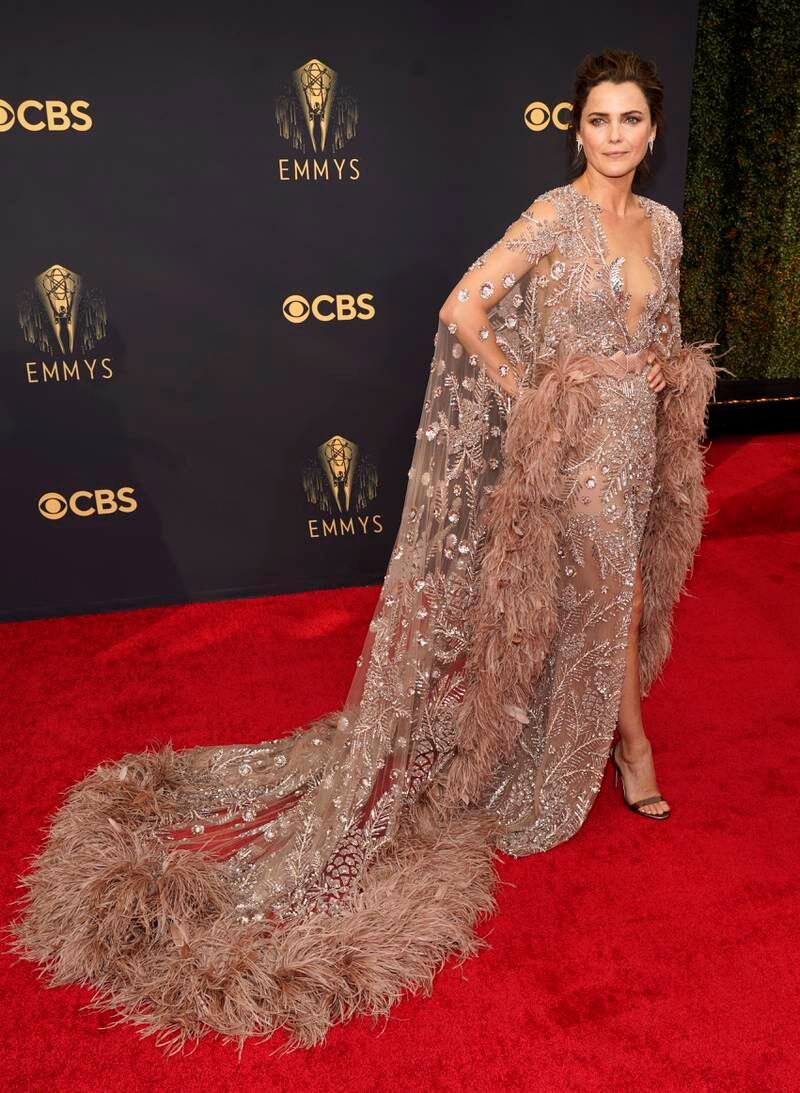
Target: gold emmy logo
<point>101,502</point>
<point>317,115</point>
<point>341,481</point>
<point>538,116</point>
<point>53,115</point>
<point>64,319</point>
<point>326,308</point>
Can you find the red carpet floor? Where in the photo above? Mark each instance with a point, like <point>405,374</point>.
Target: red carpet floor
<point>636,956</point>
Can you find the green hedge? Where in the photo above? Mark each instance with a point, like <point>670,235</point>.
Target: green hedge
<point>741,266</point>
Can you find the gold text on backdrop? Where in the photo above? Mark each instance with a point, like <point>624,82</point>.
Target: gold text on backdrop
<point>100,502</point>
<point>64,318</point>
<point>341,481</point>
<point>317,115</point>
<point>538,116</point>
<point>296,308</point>
<point>52,115</point>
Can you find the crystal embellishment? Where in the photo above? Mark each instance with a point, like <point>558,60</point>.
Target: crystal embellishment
<point>599,547</point>
<point>615,276</point>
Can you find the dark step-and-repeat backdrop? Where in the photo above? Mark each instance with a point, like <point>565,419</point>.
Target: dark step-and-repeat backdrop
<point>226,240</point>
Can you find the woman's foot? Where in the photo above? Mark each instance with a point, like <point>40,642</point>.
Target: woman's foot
<point>639,774</point>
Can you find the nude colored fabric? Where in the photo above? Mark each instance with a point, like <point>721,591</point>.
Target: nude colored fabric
<point>293,883</point>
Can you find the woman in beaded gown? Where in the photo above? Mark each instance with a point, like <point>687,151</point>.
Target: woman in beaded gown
<point>294,882</point>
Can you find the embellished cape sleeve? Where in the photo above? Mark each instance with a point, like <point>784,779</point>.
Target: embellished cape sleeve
<point>680,500</point>
<point>488,310</point>
<point>668,325</point>
<point>687,367</point>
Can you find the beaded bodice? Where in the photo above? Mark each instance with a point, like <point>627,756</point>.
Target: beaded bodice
<point>550,282</point>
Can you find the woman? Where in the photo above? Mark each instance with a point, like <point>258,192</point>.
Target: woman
<point>554,505</point>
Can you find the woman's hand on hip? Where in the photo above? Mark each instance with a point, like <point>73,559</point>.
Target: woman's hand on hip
<point>655,377</point>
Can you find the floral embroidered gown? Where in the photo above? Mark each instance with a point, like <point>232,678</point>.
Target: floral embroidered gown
<point>544,794</point>
<point>294,882</point>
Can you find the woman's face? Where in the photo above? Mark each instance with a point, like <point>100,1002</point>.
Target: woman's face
<point>615,128</point>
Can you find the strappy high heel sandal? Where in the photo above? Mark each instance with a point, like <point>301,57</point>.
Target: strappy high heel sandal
<point>636,806</point>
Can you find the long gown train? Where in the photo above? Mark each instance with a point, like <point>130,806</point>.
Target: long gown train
<point>292,883</point>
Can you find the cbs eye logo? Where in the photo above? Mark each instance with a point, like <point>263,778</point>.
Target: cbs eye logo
<point>54,506</point>
<point>53,114</point>
<point>343,307</point>
<point>538,116</point>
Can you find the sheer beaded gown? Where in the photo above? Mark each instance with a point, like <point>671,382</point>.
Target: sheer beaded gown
<point>294,882</point>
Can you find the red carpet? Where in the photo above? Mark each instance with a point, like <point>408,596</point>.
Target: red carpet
<point>636,956</point>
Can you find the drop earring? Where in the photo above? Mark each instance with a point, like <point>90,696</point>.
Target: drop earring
<point>651,142</point>
<point>579,143</point>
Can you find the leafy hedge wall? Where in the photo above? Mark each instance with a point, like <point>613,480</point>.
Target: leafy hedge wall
<point>741,267</point>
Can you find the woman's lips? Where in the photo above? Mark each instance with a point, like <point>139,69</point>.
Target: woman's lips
<point>615,154</point>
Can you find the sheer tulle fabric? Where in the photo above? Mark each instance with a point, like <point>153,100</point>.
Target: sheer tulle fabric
<point>297,820</point>
<point>293,883</point>
<point>301,818</point>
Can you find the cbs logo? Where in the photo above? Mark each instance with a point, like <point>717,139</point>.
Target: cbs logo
<point>296,309</point>
<point>87,503</point>
<point>538,116</point>
<point>53,114</point>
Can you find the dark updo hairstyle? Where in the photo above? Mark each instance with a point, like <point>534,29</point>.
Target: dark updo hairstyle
<point>615,66</point>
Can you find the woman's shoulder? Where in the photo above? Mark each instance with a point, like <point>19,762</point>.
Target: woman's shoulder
<point>548,208</point>
<point>666,215</point>
<point>558,207</point>
<point>669,225</point>
<point>552,204</point>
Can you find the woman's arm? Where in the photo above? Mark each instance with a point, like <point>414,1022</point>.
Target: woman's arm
<point>668,324</point>
<point>491,277</point>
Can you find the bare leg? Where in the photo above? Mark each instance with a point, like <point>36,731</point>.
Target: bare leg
<point>634,752</point>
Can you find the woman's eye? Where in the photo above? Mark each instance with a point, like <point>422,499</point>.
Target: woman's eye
<point>601,121</point>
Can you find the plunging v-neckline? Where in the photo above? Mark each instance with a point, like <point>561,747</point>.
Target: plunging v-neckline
<point>612,265</point>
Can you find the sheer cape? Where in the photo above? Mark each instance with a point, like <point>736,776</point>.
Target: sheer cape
<point>293,883</point>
